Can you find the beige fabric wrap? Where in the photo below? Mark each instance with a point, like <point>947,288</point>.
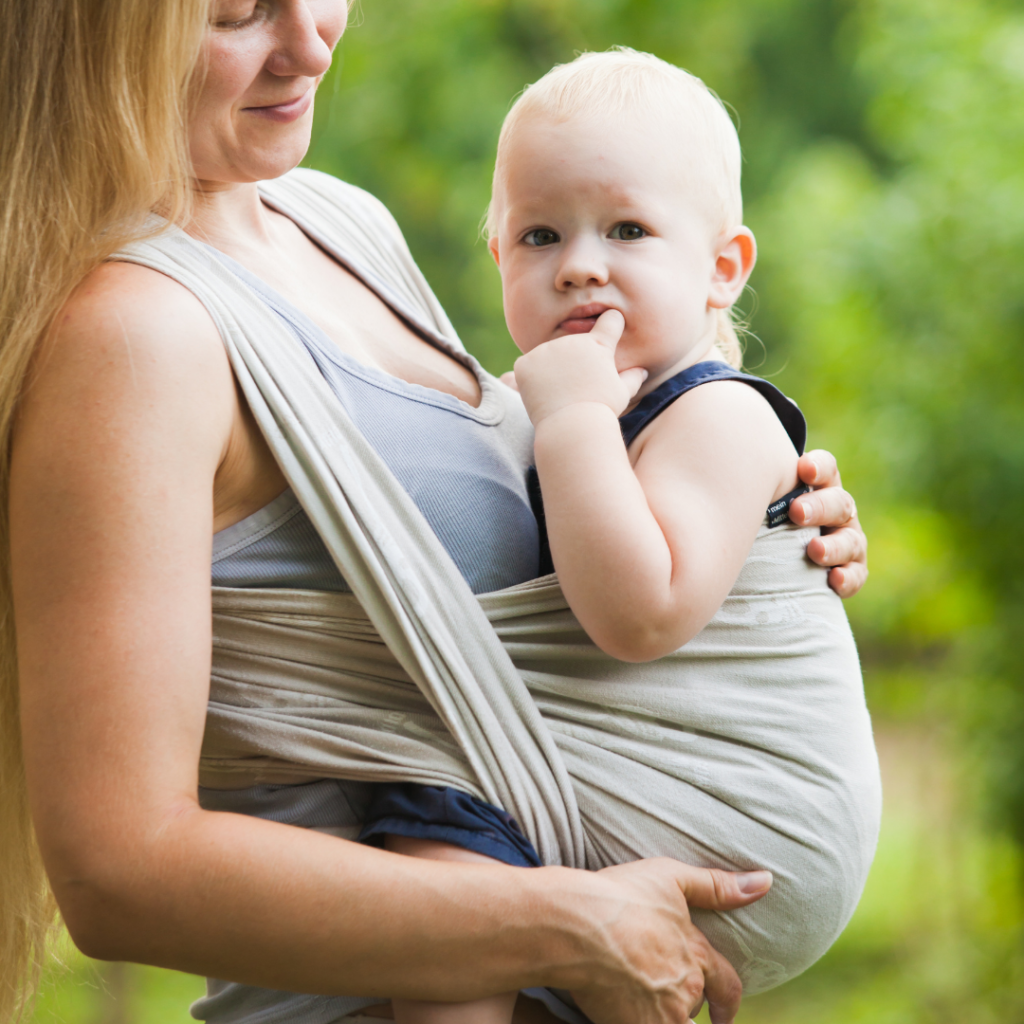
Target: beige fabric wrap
<point>749,747</point>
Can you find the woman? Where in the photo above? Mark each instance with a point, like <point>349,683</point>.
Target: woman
<point>125,422</point>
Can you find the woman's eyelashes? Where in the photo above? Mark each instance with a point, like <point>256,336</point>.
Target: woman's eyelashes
<point>540,237</point>
<point>229,16</point>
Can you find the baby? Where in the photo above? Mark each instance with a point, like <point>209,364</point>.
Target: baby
<point>616,222</point>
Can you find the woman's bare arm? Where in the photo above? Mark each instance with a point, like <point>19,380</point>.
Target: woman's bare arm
<point>127,422</point>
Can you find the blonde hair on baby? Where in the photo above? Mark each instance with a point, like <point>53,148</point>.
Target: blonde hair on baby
<point>620,80</point>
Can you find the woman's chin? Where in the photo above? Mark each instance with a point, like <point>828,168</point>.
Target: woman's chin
<point>263,163</point>
<point>257,160</point>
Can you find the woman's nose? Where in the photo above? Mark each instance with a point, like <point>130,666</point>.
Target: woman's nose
<point>306,35</point>
<point>582,266</point>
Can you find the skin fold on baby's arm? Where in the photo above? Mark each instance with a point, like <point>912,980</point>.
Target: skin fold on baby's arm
<point>647,543</point>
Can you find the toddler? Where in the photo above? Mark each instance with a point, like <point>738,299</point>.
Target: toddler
<point>616,222</point>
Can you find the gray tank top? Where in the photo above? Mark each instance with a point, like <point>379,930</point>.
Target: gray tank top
<point>464,467</point>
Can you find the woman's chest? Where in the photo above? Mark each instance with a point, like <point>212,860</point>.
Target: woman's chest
<point>361,324</point>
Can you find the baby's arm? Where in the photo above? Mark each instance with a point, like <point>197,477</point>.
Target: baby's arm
<point>647,544</point>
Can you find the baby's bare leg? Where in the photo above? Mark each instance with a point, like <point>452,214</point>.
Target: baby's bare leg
<point>494,1009</point>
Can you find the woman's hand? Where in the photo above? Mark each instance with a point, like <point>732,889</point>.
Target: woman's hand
<point>842,545</point>
<point>661,968</point>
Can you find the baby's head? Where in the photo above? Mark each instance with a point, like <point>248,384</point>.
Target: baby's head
<point>617,186</point>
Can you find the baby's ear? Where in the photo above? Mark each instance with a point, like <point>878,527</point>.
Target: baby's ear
<point>492,244</point>
<point>736,254</point>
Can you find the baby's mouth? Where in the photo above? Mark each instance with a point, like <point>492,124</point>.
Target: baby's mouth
<point>578,324</point>
<point>582,319</point>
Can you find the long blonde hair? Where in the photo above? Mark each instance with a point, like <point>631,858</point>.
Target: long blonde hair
<point>93,107</point>
<point>625,79</point>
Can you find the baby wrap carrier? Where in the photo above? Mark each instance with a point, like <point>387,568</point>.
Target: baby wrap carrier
<point>749,747</point>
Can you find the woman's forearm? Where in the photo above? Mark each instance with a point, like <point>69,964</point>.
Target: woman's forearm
<point>332,917</point>
<point>282,907</point>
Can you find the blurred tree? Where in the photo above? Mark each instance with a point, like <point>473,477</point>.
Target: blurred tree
<point>894,278</point>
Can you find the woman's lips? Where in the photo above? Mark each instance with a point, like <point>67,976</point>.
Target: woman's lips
<point>582,319</point>
<point>283,113</point>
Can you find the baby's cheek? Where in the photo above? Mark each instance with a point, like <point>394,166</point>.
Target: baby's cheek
<point>524,317</point>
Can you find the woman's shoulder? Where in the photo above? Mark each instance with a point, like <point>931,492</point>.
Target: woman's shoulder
<point>131,337</point>
<point>127,306</point>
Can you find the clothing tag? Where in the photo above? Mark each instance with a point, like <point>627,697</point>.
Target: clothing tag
<point>778,511</point>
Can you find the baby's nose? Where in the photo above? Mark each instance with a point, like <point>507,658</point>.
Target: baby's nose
<point>582,269</point>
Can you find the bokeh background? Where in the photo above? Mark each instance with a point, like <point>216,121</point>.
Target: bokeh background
<point>884,178</point>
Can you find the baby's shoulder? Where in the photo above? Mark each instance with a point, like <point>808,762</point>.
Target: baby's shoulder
<point>718,416</point>
<point>723,438</point>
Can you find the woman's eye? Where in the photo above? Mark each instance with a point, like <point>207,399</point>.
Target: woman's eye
<point>627,232</point>
<point>236,15</point>
<point>541,236</point>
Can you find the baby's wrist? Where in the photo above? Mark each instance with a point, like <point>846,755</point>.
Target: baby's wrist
<point>573,413</point>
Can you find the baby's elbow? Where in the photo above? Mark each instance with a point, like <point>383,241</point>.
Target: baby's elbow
<point>641,641</point>
<point>630,651</point>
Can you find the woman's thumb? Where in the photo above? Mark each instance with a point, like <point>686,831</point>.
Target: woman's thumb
<point>713,889</point>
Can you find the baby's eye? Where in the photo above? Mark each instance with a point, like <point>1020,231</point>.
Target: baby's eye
<point>541,236</point>
<point>627,232</point>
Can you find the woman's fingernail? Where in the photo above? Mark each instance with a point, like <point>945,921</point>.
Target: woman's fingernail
<point>750,882</point>
<point>817,470</point>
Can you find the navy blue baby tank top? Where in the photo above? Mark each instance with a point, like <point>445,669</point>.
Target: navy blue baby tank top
<point>651,406</point>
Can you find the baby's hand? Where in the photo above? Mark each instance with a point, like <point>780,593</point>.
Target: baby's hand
<point>577,368</point>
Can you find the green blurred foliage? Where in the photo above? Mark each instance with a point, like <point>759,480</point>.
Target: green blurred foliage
<point>884,178</point>
<point>894,293</point>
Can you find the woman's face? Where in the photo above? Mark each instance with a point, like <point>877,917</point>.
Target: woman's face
<point>262,61</point>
